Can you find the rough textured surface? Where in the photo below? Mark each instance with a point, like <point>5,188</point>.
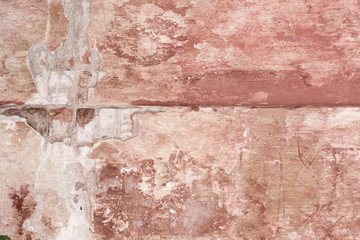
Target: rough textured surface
<point>232,174</point>
<point>84,156</point>
<point>39,186</point>
<point>20,155</point>
<point>16,83</point>
<point>227,52</point>
<point>183,173</point>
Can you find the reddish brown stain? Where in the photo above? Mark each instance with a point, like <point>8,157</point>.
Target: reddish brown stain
<point>23,205</point>
<point>82,93</point>
<point>104,151</point>
<point>281,88</point>
<point>85,59</point>
<point>109,171</point>
<point>84,116</point>
<point>59,25</point>
<point>11,102</point>
<point>160,103</point>
<point>80,186</point>
<point>210,59</point>
<point>47,221</point>
<point>12,112</point>
<point>261,216</point>
<point>71,62</point>
<point>184,212</point>
<point>61,114</point>
<point>41,111</point>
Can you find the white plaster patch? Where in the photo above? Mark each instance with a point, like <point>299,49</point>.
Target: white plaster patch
<point>116,123</point>
<point>85,135</point>
<point>160,192</point>
<point>77,228</point>
<point>314,121</point>
<point>145,186</point>
<point>60,85</point>
<point>344,118</point>
<point>11,121</point>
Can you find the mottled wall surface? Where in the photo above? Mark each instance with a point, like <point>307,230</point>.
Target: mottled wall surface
<point>175,119</point>
<point>205,52</point>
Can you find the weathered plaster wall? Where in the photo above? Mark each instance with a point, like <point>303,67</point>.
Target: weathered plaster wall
<point>142,119</point>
